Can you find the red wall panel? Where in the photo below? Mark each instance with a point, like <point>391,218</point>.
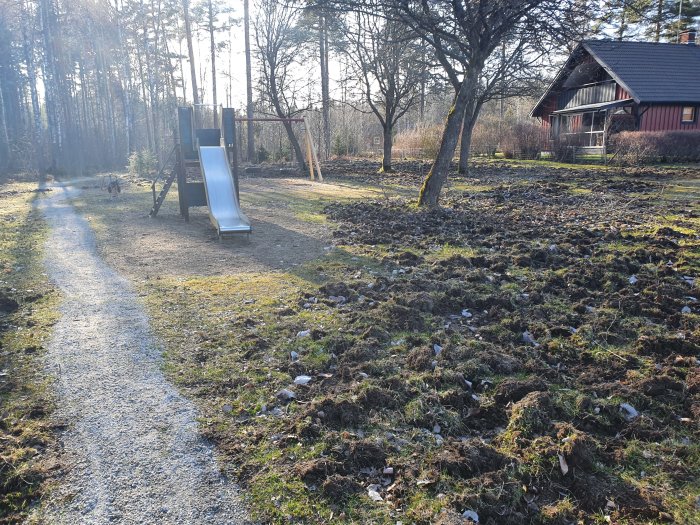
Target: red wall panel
<point>662,118</point>
<point>620,93</point>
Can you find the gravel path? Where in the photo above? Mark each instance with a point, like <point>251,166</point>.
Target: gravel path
<point>131,444</point>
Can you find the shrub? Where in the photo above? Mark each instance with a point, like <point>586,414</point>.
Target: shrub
<point>143,163</point>
<point>345,145</point>
<point>486,136</point>
<point>645,147</point>
<point>424,138</point>
<point>283,154</point>
<point>562,147</point>
<point>524,140</point>
<point>263,154</point>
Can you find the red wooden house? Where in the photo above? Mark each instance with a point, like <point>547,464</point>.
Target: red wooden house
<point>608,85</point>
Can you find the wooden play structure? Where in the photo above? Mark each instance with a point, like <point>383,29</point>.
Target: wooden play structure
<point>204,163</point>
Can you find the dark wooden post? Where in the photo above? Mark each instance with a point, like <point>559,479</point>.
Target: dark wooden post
<point>228,126</point>
<point>182,183</point>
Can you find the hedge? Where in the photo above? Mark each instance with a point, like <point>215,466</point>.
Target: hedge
<point>646,147</point>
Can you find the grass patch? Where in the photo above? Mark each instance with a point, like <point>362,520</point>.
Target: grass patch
<point>29,309</point>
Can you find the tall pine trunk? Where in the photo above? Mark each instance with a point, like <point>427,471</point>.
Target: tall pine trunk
<point>144,102</point>
<point>659,20</point>
<point>126,86</point>
<point>325,89</point>
<point>4,136</point>
<point>190,51</point>
<point>248,84</point>
<point>53,118</point>
<point>34,93</point>
<point>212,48</point>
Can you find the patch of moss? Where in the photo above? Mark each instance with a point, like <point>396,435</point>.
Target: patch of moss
<point>25,390</point>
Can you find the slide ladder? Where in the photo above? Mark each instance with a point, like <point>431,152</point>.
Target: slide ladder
<point>158,202</point>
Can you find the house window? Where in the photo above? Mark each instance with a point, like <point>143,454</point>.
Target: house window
<point>689,114</point>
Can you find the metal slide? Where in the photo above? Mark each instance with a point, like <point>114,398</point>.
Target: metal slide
<point>224,209</point>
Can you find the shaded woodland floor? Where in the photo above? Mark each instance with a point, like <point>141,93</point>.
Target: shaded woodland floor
<point>527,353</point>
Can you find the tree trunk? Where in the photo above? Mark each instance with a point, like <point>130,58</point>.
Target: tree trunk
<point>4,137</point>
<point>151,89</point>
<point>466,140</point>
<point>295,146</point>
<point>325,90</point>
<point>275,99</point>
<point>249,85</point>
<point>423,74</point>
<point>388,144</point>
<point>143,102</point>
<point>432,185</point>
<point>623,24</point>
<point>53,118</point>
<point>126,85</point>
<point>471,113</point>
<point>659,20</point>
<point>190,51</point>
<point>212,47</point>
<point>31,76</point>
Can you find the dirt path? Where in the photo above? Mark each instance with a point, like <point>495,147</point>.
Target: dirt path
<point>131,442</point>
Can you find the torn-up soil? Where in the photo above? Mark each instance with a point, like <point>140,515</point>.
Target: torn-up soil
<point>528,352</point>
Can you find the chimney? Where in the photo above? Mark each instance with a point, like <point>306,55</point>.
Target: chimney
<point>688,37</point>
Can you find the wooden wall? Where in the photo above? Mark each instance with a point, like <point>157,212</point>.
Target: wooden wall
<point>661,118</point>
<point>621,93</point>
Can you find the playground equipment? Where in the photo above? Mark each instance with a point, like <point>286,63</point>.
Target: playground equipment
<point>199,154</point>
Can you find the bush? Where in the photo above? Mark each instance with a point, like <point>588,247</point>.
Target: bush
<point>283,154</point>
<point>562,147</point>
<point>143,163</point>
<point>486,136</point>
<point>523,140</point>
<point>345,145</point>
<point>424,138</point>
<point>645,147</point>
<point>263,154</point>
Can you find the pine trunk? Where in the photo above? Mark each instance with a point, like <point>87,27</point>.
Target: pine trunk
<point>212,48</point>
<point>325,89</point>
<point>190,51</point>
<point>249,85</point>
<point>4,137</point>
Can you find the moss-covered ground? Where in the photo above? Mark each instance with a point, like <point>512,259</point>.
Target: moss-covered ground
<point>28,309</point>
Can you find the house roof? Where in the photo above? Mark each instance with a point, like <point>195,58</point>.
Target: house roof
<point>652,73</point>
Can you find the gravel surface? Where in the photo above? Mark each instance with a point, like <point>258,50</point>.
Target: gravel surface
<point>131,442</point>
